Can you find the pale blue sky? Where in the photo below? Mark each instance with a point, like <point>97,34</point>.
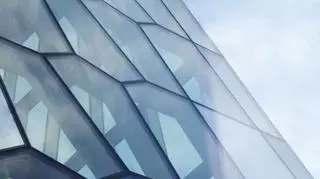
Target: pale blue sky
<point>274,46</point>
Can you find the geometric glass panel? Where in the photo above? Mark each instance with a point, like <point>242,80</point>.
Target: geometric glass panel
<point>9,134</point>
<point>195,76</point>
<point>247,148</point>
<point>131,8</point>
<point>109,107</point>
<point>134,44</point>
<point>228,76</point>
<point>48,100</point>
<point>90,41</point>
<point>31,25</point>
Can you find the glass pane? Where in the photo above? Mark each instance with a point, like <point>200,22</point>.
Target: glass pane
<point>110,109</point>
<point>187,142</point>
<point>30,25</point>
<point>194,74</point>
<point>246,146</point>
<point>26,165</point>
<point>134,44</point>
<point>289,157</point>
<point>131,9</point>
<point>189,23</point>
<point>161,15</point>
<point>9,134</point>
<point>48,98</point>
<point>228,76</point>
<point>89,40</point>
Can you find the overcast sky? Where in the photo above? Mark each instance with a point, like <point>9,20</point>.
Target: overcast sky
<point>274,46</point>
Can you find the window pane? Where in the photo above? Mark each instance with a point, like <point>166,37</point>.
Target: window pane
<point>194,74</point>
<point>131,9</point>
<point>187,142</point>
<point>222,68</point>
<point>89,41</point>
<point>134,44</point>
<point>30,25</point>
<point>113,115</point>
<point>246,146</point>
<point>189,23</point>
<point>161,15</point>
<point>9,134</point>
<point>48,98</point>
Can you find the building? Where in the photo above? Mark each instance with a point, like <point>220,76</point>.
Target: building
<point>126,89</point>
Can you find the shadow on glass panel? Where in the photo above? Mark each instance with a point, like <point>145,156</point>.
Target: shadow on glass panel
<point>31,25</point>
<point>49,116</point>
<point>194,74</point>
<point>90,41</point>
<point>109,106</point>
<point>24,163</point>
<point>134,44</point>
<point>188,143</point>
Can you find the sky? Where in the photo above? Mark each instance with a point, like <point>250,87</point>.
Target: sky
<point>274,47</point>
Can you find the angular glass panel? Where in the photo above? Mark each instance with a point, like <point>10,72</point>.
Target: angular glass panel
<point>22,89</point>
<point>9,134</point>
<point>134,44</point>
<point>195,76</point>
<point>66,149</point>
<point>189,23</point>
<point>113,115</point>
<point>48,98</point>
<point>31,25</point>
<point>161,15</point>
<point>246,146</point>
<point>230,79</point>
<point>25,164</point>
<point>289,157</point>
<point>89,40</point>
<point>190,147</point>
<point>86,172</point>
<point>131,9</point>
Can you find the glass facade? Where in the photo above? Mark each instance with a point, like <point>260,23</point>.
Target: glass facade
<point>126,89</point>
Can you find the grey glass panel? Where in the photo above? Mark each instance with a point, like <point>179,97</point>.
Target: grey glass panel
<point>187,142</point>
<point>30,25</point>
<point>24,165</point>
<point>189,23</point>
<point>134,44</point>
<point>131,9</point>
<point>222,68</point>
<point>48,98</point>
<point>89,41</point>
<point>246,146</point>
<point>9,134</point>
<point>289,157</point>
<point>113,115</point>
<point>194,74</point>
<point>161,15</point>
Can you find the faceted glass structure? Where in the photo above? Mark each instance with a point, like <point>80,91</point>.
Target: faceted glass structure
<point>126,89</point>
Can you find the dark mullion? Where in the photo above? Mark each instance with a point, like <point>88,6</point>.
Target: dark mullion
<point>51,14</point>
<point>154,140</point>
<point>7,152</point>
<point>141,7</point>
<point>111,39</point>
<point>88,120</point>
<point>56,53</point>
<point>14,114</point>
<point>121,175</point>
<point>12,43</point>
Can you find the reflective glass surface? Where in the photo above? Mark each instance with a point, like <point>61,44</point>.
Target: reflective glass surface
<point>48,98</point>
<point>110,109</point>
<point>31,25</point>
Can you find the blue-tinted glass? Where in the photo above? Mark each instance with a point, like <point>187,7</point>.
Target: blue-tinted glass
<point>48,98</point>
<point>187,142</point>
<point>89,40</point>
<point>109,107</point>
<point>131,9</point>
<point>134,44</point>
<point>161,15</point>
<point>30,25</point>
<point>9,134</point>
<point>194,74</point>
